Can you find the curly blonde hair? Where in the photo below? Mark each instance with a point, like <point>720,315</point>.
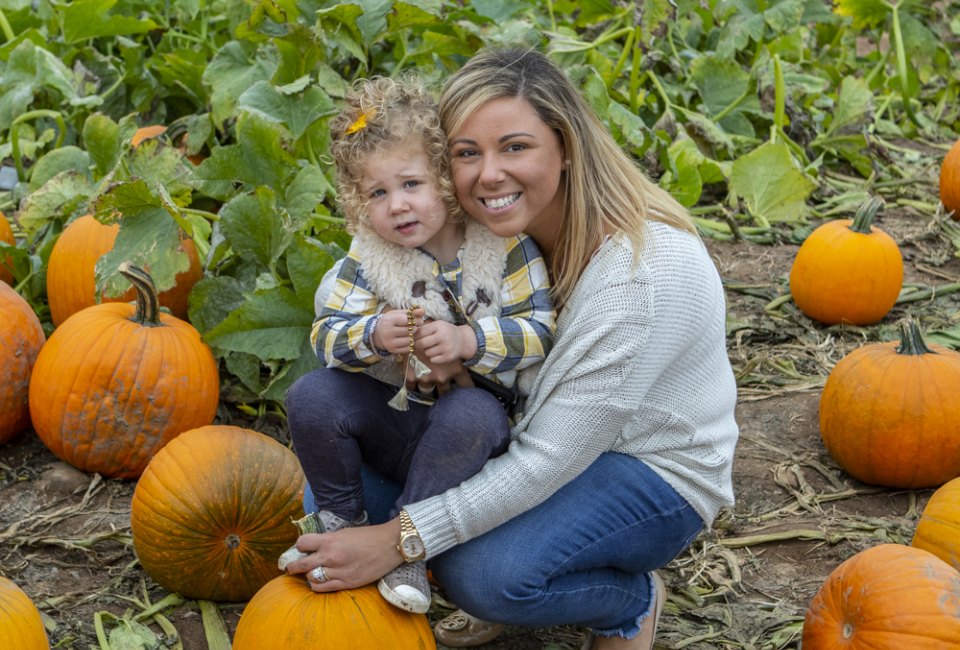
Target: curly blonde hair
<point>381,112</point>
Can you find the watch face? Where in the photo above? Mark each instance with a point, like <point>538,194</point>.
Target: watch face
<point>411,546</point>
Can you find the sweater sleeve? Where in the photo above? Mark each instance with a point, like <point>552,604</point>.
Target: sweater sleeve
<point>591,389</point>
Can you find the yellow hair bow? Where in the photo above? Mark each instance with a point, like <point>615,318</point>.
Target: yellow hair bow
<point>361,122</point>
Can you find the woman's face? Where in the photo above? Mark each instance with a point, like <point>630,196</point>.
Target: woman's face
<point>507,165</point>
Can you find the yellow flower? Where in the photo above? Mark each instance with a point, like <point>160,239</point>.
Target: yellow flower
<point>361,122</point>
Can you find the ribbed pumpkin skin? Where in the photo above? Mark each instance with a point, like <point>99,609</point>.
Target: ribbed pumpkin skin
<point>894,419</point>
<point>6,236</point>
<point>950,180</point>
<point>938,530</point>
<point>213,511</point>
<point>286,614</point>
<point>71,271</point>
<point>20,624</point>
<point>107,393</point>
<point>888,597</point>
<point>21,338</point>
<point>840,275</point>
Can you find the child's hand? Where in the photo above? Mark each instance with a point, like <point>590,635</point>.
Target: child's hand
<point>443,342</point>
<point>392,334</point>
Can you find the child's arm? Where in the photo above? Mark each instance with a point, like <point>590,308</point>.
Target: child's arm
<point>523,332</point>
<point>342,332</point>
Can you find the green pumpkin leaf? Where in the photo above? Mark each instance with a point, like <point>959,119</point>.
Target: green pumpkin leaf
<point>255,228</point>
<point>232,70</point>
<point>67,158</point>
<point>271,324</point>
<point>101,137</point>
<point>86,19</point>
<point>59,198</point>
<point>770,183</point>
<point>212,299</point>
<point>296,110</point>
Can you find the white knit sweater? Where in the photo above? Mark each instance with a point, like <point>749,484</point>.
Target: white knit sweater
<point>639,366</point>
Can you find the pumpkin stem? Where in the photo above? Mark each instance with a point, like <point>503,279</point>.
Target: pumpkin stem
<point>148,304</point>
<point>865,214</point>
<point>911,340</point>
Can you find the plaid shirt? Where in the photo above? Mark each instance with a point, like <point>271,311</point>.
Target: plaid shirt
<point>520,336</point>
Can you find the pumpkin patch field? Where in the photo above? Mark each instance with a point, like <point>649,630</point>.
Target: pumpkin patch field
<point>167,210</point>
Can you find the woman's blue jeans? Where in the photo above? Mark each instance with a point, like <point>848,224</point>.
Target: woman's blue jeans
<point>582,557</point>
<point>341,421</point>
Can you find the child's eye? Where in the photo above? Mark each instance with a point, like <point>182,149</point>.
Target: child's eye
<point>410,184</point>
<point>376,193</point>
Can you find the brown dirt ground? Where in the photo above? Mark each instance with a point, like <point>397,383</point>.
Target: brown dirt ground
<point>65,536</point>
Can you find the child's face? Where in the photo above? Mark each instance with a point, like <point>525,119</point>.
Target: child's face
<point>403,206</point>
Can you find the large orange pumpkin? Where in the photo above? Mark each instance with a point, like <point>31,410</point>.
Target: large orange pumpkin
<point>285,613</point>
<point>20,624</point>
<point>71,271</point>
<point>211,513</point>
<point>938,530</point>
<point>889,412</point>
<point>950,181</point>
<point>21,338</point>
<point>888,597</point>
<point>116,382</point>
<point>6,236</point>
<point>847,271</point>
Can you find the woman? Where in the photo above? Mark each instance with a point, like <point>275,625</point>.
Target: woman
<point>624,451</point>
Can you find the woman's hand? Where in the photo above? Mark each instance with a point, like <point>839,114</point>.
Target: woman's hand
<point>350,557</point>
<point>441,376</point>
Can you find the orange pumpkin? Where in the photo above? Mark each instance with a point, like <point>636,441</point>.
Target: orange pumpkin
<point>211,513</point>
<point>938,530</point>
<point>116,382</point>
<point>889,413</point>
<point>71,271</point>
<point>6,236</point>
<point>888,597</point>
<point>950,181</point>
<point>285,613</point>
<point>20,624</point>
<point>21,338</point>
<point>847,271</point>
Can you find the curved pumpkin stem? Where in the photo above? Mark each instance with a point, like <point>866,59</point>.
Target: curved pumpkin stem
<point>911,340</point>
<point>148,304</point>
<point>865,214</point>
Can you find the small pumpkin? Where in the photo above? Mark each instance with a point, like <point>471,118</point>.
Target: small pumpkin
<point>211,513</point>
<point>887,597</point>
<point>20,624</point>
<point>71,271</point>
<point>116,382</point>
<point>285,613</point>
<point>21,338</point>
<point>848,271</point>
<point>950,181</point>
<point>889,413</point>
<point>6,236</point>
<point>938,530</point>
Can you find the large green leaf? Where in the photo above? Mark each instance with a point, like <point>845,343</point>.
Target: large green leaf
<point>30,71</point>
<point>86,19</point>
<point>254,227</point>
<point>296,109</point>
<point>271,324</point>
<point>234,68</point>
<point>770,183</point>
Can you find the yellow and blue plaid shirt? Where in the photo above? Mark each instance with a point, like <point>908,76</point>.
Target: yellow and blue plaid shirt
<point>518,337</point>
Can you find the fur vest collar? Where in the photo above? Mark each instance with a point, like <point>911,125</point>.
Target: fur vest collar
<point>403,277</point>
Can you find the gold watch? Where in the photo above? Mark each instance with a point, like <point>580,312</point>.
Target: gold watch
<point>411,545</point>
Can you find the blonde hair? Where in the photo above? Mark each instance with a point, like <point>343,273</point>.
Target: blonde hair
<point>604,189</point>
<point>379,113</point>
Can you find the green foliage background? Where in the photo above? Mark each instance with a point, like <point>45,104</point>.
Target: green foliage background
<point>747,110</point>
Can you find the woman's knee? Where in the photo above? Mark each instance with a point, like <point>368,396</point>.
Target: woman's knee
<point>487,586</point>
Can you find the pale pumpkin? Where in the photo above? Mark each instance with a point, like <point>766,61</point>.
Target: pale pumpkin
<point>887,597</point>
<point>847,271</point>
<point>21,338</point>
<point>71,271</point>
<point>889,412</point>
<point>938,530</point>
<point>116,382</point>
<point>286,614</point>
<point>213,510</point>
<point>20,624</point>
<point>950,181</point>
